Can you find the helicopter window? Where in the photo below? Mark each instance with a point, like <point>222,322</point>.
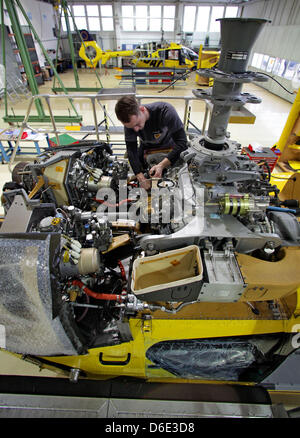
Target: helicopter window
<point>172,54</point>
<point>189,54</point>
<point>193,55</point>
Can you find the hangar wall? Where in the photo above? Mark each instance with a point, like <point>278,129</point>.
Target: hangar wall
<point>279,39</point>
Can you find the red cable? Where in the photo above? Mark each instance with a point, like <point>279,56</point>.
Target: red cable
<point>97,296</point>
<point>122,270</point>
<point>112,205</point>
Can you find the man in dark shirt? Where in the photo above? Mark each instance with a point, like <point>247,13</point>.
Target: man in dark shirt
<point>159,128</point>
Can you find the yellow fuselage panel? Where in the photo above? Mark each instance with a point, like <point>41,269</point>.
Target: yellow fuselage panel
<point>129,359</point>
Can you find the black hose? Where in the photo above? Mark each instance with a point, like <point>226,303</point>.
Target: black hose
<point>82,144</point>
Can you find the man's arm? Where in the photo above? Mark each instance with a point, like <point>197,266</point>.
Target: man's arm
<point>180,145</point>
<point>132,152</point>
<point>136,165</point>
<point>157,170</point>
<point>172,121</point>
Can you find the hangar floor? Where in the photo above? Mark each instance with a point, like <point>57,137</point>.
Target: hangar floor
<point>271,116</point>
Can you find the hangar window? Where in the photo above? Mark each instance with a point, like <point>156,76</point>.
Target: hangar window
<point>168,18</point>
<point>145,18</point>
<point>291,69</point>
<point>231,11</point>
<point>217,12</point>
<point>169,11</point>
<point>297,74</point>
<point>282,67</point>
<point>88,17</point>
<point>168,25</point>
<point>93,17</point>
<point>155,24</point>
<point>141,18</point>
<point>78,10</point>
<point>141,11</point>
<point>107,24</point>
<point>257,60</point>
<point>202,18</point>
<point>264,63</point>
<point>155,18</point>
<point>80,17</point>
<point>63,20</point>
<point>94,23</point>
<point>155,11</point>
<point>127,20</point>
<point>254,59</point>
<point>92,10</point>
<point>80,23</point>
<point>277,66</point>
<point>270,65</point>
<point>189,18</point>
<point>107,17</point>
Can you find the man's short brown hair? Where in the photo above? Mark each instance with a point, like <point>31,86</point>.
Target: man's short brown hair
<point>126,107</point>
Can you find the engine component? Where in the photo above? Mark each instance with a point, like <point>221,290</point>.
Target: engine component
<point>72,175</point>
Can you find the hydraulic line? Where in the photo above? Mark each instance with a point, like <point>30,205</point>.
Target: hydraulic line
<point>122,269</point>
<point>96,295</point>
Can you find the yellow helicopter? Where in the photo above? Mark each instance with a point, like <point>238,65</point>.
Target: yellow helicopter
<point>173,56</point>
<point>99,55</point>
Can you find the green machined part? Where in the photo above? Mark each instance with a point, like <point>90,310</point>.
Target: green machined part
<point>225,204</point>
<point>245,206</point>
<point>235,206</point>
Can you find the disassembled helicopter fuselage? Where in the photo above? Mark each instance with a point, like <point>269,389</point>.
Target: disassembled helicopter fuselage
<point>195,279</point>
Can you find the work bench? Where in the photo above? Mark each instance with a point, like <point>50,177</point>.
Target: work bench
<point>30,143</point>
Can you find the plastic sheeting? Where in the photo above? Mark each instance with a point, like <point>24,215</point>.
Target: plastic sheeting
<point>218,359</point>
<point>28,325</point>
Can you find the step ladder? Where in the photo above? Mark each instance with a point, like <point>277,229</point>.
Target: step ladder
<point>16,89</point>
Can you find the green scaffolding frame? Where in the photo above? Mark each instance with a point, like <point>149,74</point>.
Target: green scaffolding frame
<point>67,11</point>
<point>20,40</point>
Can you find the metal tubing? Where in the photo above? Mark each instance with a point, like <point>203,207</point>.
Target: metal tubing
<point>24,124</point>
<point>95,117</point>
<point>93,98</point>
<point>52,120</point>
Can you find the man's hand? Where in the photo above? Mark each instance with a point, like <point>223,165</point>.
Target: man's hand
<point>157,170</point>
<point>144,182</point>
